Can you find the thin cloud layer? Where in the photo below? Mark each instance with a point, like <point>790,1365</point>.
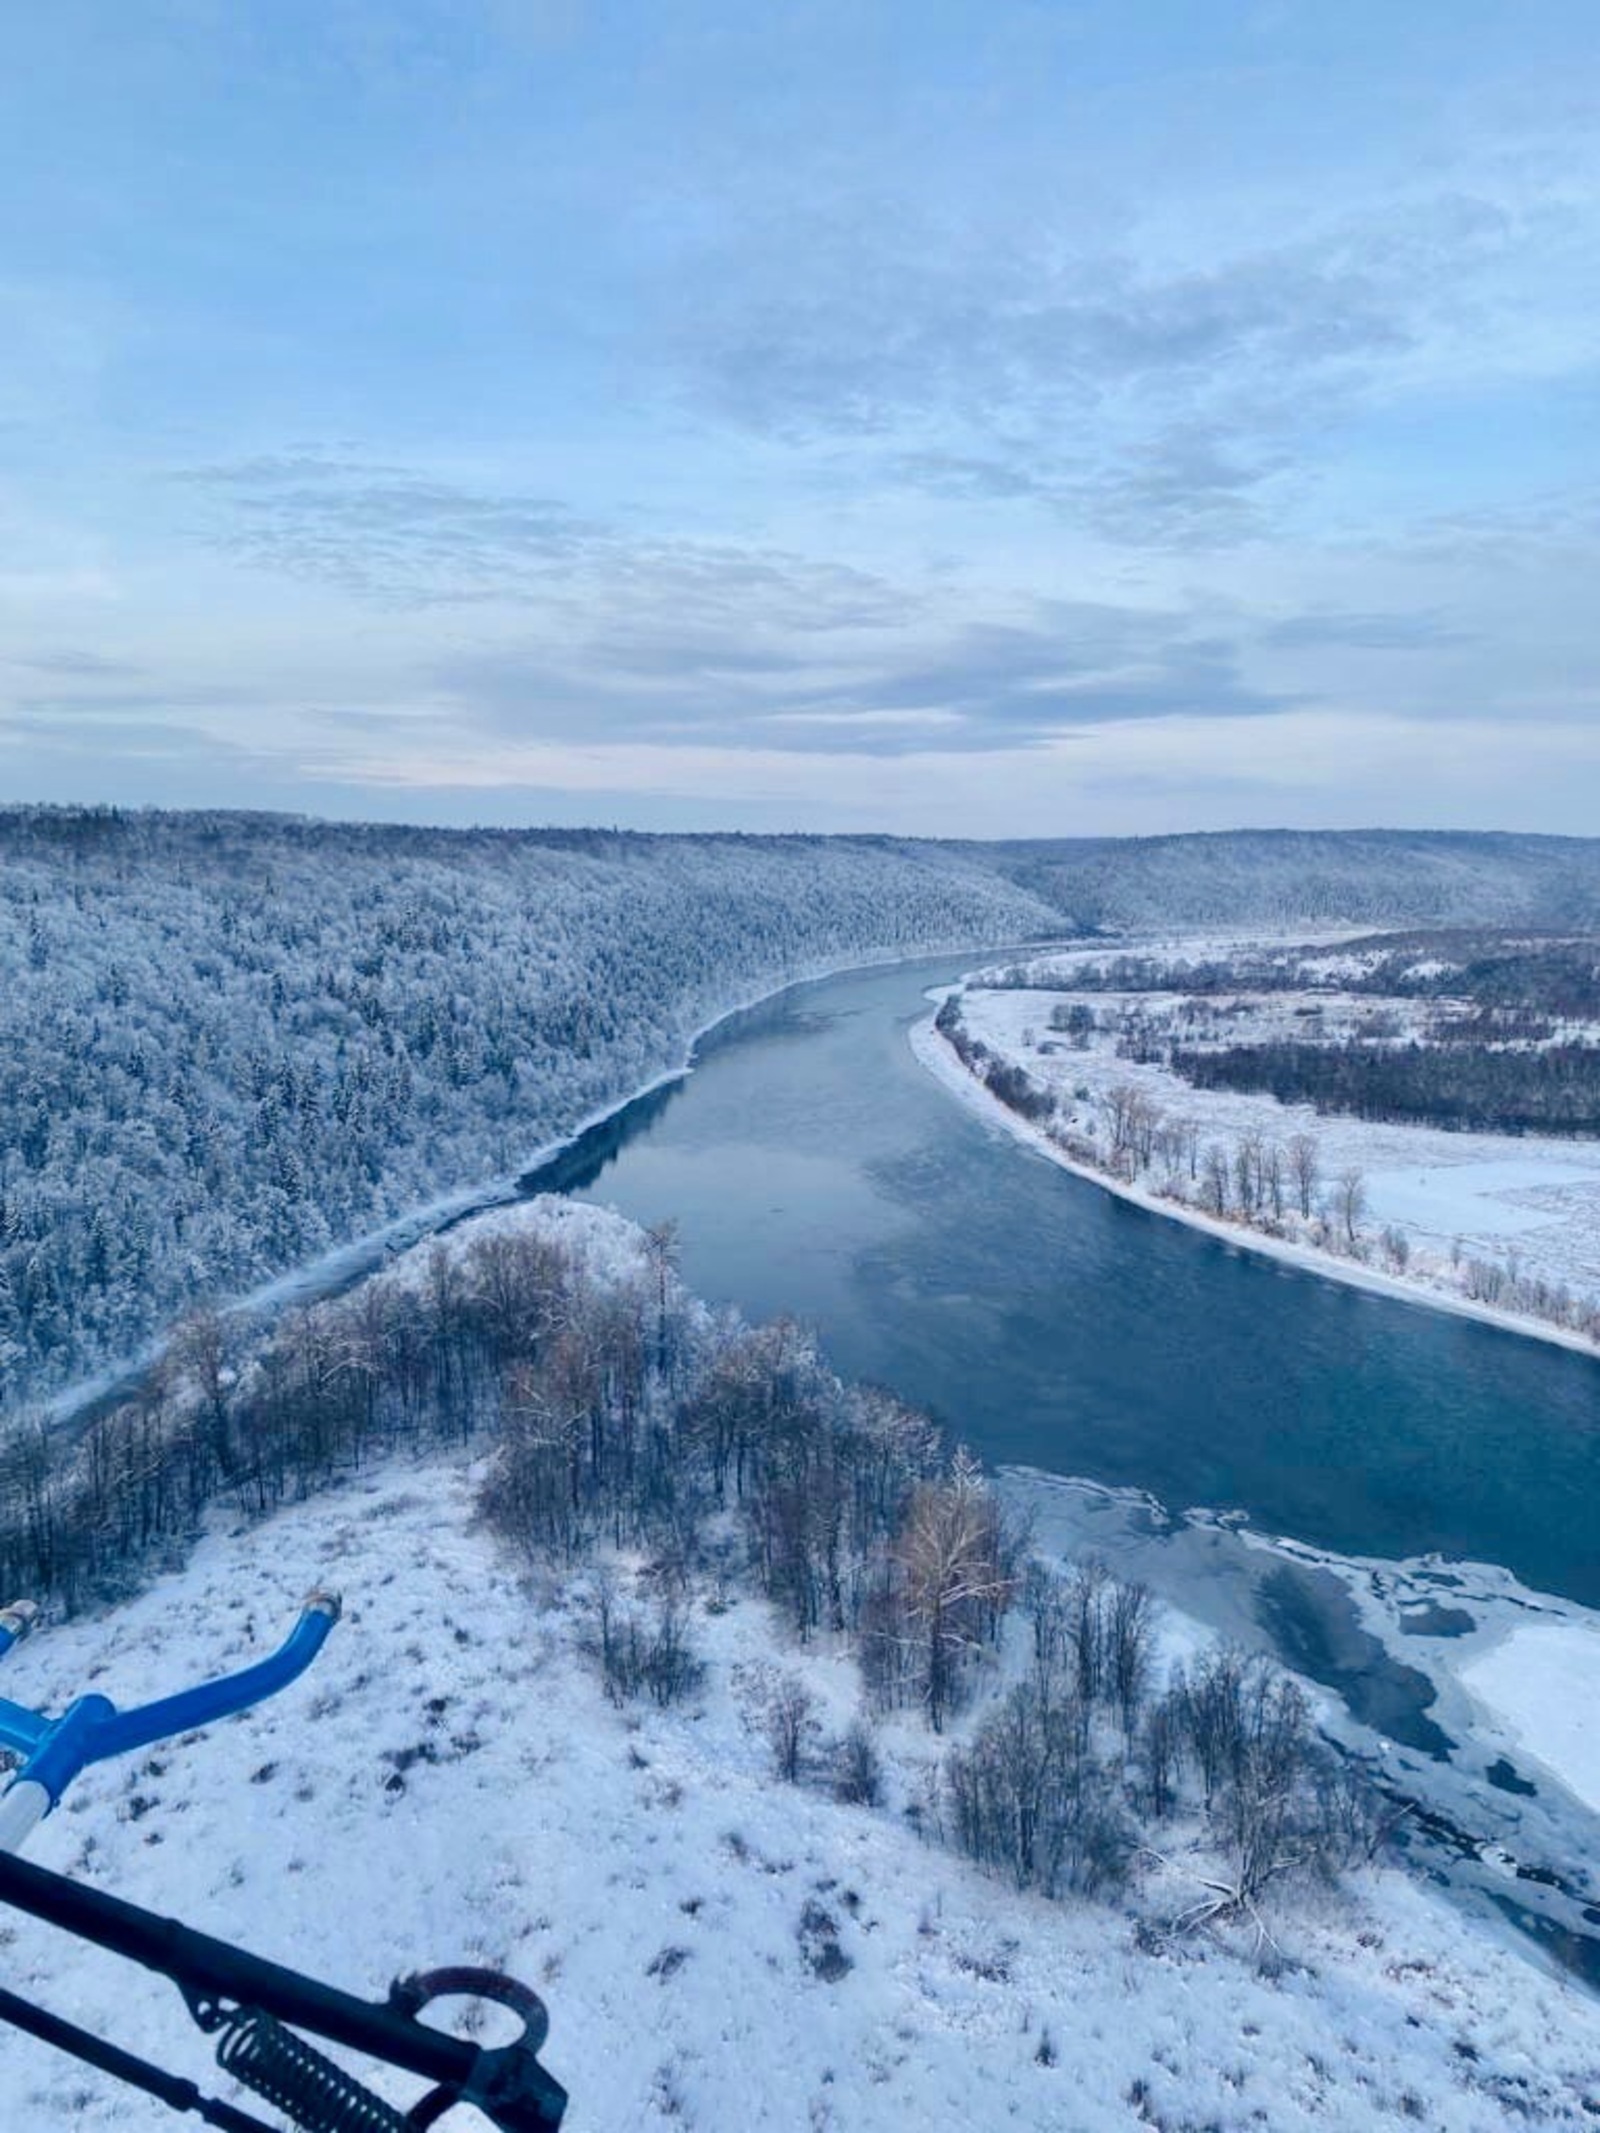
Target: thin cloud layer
<point>1074,419</point>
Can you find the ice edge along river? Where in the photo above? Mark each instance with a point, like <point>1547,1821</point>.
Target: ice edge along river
<point>1533,1685</point>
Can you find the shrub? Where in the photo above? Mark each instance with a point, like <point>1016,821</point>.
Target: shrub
<point>640,1656</point>
<point>858,1768</point>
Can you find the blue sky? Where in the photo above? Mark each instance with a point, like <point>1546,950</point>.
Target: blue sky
<point>1030,419</point>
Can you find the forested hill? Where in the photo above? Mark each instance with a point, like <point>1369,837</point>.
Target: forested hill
<point>232,1041</point>
<point>1294,877</point>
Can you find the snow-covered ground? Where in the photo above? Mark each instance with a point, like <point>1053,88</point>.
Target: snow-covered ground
<point>1541,1682</point>
<point>1530,1204</point>
<point>449,1785</point>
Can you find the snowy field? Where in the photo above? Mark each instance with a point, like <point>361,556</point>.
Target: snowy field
<point>1528,1203</point>
<point>449,1785</point>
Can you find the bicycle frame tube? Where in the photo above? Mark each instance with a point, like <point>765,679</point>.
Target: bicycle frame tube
<point>507,2083</point>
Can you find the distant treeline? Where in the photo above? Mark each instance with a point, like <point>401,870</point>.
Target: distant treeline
<point>1552,1090</point>
<point>1522,984</point>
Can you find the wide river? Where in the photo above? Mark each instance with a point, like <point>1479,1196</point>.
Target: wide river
<point>815,1168</point>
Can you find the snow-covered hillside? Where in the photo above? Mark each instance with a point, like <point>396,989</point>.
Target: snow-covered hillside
<point>1310,877</point>
<point>718,1950</point>
<point>234,1041</point>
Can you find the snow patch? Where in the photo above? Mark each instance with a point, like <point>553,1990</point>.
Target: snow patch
<point>1541,1684</point>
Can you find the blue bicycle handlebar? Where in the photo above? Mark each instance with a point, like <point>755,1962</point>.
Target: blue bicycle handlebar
<point>92,1728</point>
<point>15,1623</point>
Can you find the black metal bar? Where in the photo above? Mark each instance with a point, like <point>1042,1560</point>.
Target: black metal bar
<point>171,2089</point>
<point>506,2082</point>
<point>203,1965</point>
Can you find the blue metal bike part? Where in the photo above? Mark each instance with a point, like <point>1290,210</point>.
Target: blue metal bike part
<point>91,1729</point>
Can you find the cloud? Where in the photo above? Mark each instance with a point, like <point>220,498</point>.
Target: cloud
<point>400,538</point>
<point>76,665</point>
<point>109,706</point>
<point>387,534</point>
<point>873,325</point>
<point>1331,629</point>
<point>966,687</point>
<point>1155,402</point>
<point>100,741</point>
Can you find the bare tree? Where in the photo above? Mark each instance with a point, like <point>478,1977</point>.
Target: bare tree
<point>1188,1129</point>
<point>1121,1104</point>
<point>1214,1179</point>
<point>200,1348</point>
<point>1272,1179</point>
<point>1350,1203</point>
<point>661,1256</point>
<point>858,1768</point>
<point>1130,1638</point>
<point>791,1726</point>
<point>955,1578</point>
<point>1248,1159</point>
<point>1147,1120</point>
<point>1305,1167</point>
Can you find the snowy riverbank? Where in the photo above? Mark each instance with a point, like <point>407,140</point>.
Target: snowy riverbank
<point>451,1785</point>
<point>1446,1192</point>
<point>1519,1672</point>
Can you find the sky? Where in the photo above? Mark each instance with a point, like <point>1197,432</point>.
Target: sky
<point>960,417</point>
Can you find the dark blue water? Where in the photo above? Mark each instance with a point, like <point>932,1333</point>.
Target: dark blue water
<point>815,1168</point>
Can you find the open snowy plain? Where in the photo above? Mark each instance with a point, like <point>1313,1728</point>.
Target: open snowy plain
<point>450,1785</point>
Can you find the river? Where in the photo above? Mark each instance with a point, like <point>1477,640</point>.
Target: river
<point>814,1168</point>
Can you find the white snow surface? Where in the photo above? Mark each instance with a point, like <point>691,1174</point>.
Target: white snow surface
<point>1541,1684</point>
<point>582,1848</point>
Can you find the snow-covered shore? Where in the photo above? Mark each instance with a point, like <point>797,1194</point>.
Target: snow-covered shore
<point>1526,1674</point>
<point>450,1785</point>
<point>1485,1192</point>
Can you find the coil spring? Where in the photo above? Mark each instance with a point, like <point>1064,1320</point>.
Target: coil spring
<point>319,2096</point>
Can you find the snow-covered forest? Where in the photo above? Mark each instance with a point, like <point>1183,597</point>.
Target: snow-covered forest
<point>234,1041</point>
<point>1282,878</point>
